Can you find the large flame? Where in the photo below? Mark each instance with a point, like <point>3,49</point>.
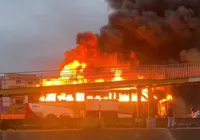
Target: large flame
<point>73,73</point>
<point>168,98</point>
<point>70,74</point>
<point>117,75</point>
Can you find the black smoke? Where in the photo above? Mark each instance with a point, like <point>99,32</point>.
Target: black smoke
<point>158,31</point>
<point>152,31</point>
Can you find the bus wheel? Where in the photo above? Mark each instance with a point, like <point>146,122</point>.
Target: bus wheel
<point>51,120</point>
<point>66,121</point>
<point>4,125</point>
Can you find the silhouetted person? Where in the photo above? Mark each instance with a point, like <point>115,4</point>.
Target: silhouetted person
<point>170,115</point>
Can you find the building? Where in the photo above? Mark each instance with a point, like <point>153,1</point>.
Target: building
<point>12,107</point>
<point>15,80</point>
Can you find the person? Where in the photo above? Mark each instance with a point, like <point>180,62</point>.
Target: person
<point>195,113</point>
<point>170,115</point>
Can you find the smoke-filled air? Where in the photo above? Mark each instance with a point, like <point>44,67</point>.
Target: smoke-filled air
<point>145,32</point>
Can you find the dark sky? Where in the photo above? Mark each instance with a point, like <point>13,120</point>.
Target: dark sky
<point>34,34</point>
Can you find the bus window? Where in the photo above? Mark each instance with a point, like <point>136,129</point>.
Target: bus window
<point>19,102</point>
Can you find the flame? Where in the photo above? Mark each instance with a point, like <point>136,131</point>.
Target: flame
<point>155,97</point>
<point>162,105</point>
<point>48,97</point>
<point>99,80</point>
<point>73,73</point>
<point>140,77</point>
<point>70,74</point>
<point>123,97</point>
<point>117,75</point>
<point>168,98</point>
<point>80,97</point>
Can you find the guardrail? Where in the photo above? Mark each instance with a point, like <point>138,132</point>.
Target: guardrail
<point>105,123</point>
<point>89,75</point>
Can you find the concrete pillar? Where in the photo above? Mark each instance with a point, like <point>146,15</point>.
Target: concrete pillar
<point>74,103</point>
<point>85,104</point>
<point>117,96</point>
<point>130,97</point>
<point>74,96</point>
<point>150,98</point>
<point>139,93</point>
<point>151,120</point>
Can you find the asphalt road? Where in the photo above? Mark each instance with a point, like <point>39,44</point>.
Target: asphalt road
<point>61,130</point>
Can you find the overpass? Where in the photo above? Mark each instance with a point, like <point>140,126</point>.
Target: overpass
<point>153,75</point>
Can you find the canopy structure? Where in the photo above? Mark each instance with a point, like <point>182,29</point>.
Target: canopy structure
<point>96,86</point>
<point>154,75</point>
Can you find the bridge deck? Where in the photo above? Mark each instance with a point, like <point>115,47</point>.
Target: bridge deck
<point>161,75</point>
<point>95,86</point>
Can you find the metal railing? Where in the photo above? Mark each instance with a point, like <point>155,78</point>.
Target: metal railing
<point>89,75</point>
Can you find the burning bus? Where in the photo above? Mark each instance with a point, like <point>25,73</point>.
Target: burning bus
<point>99,67</point>
<point>119,102</point>
<point>81,105</point>
<point>109,103</point>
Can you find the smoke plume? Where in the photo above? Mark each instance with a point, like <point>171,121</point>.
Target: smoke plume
<point>88,51</point>
<point>180,108</point>
<point>156,30</point>
<point>147,31</point>
<point>191,55</point>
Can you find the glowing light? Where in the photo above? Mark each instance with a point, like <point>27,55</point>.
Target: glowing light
<point>50,97</point>
<point>124,98</point>
<point>117,75</point>
<point>80,97</point>
<point>99,80</point>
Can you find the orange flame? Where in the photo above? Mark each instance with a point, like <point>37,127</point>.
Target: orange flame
<point>69,75</point>
<point>117,75</point>
<point>73,74</point>
<point>168,98</point>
